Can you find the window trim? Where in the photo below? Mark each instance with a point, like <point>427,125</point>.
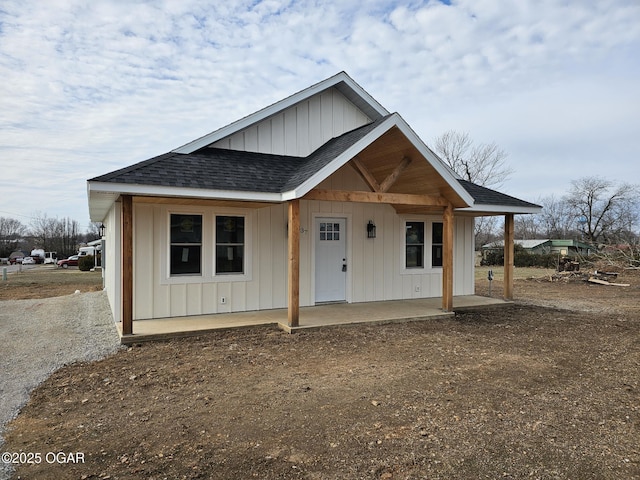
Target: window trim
<point>423,244</point>
<point>215,245</point>
<point>433,244</point>
<point>427,267</point>
<point>172,244</point>
<point>208,275</point>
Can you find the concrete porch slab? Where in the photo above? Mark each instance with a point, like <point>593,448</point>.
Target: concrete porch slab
<point>310,317</point>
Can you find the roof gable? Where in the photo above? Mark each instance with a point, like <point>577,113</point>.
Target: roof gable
<point>342,82</point>
<point>197,170</point>
<point>214,172</point>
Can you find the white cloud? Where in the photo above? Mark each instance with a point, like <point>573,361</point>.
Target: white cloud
<point>93,86</point>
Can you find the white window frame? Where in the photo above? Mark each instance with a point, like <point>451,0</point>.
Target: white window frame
<point>431,244</point>
<point>171,244</point>
<point>231,275</point>
<point>208,253</point>
<point>427,267</point>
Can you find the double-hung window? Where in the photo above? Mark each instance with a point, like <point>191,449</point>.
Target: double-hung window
<point>421,240</point>
<point>230,242</point>
<point>186,244</point>
<point>436,244</point>
<point>414,245</point>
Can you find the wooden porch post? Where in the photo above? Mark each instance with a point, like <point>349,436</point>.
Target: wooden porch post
<point>447,259</point>
<point>508,256</point>
<point>294,263</point>
<point>127,265</point>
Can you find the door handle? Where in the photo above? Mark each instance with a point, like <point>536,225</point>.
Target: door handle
<point>344,264</point>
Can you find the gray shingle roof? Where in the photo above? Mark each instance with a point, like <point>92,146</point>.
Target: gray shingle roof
<point>486,196</point>
<point>222,169</point>
<point>233,170</point>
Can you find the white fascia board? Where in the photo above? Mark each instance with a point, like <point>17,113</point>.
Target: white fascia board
<point>443,170</point>
<point>499,209</point>
<point>341,160</point>
<point>163,191</point>
<point>280,106</point>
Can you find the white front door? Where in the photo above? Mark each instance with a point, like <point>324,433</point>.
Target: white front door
<point>331,259</point>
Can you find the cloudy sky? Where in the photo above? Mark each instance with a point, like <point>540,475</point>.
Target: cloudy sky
<point>89,86</point>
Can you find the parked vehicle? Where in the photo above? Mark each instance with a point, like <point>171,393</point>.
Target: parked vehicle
<point>50,257</point>
<point>36,258</point>
<point>29,261</point>
<point>72,261</point>
<point>15,260</point>
<point>90,250</point>
<point>37,254</point>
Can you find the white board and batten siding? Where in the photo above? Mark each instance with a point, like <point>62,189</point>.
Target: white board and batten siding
<point>300,129</point>
<point>112,271</point>
<point>375,266</point>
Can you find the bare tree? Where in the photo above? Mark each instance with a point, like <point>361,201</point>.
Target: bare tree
<point>557,219</point>
<point>605,211</point>
<point>67,236</point>
<point>53,234</point>
<point>93,231</point>
<point>526,227</point>
<point>482,164</point>
<point>43,230</point>
<point>11,232</point>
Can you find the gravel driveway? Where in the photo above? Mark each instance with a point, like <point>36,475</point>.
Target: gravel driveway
<point>39,336</point>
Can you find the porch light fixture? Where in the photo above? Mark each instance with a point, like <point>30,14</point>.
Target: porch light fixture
<point>101,230</point>
<point>371,229</point>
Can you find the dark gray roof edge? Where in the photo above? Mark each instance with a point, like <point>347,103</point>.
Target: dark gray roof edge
<point>486,196</point>
<point>131,168</point>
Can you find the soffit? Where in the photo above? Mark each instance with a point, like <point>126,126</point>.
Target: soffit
<point>419,177</point>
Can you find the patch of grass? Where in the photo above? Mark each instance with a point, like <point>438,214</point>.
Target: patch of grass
<point>48,281</point>
<point>519,273</point>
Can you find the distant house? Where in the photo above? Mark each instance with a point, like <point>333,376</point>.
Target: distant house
<point>545,246</point>
<point>324,196</point>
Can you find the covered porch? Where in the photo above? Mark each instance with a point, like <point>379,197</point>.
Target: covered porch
<point>318,316</point>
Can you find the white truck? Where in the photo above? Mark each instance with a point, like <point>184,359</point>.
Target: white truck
<point>93,248</point>
<point>43,257</point>
<point>88,251</point>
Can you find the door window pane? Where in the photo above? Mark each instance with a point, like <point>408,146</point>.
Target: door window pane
<point>329,231</point>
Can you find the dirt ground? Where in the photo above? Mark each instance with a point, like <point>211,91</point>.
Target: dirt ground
<point>523,391</point>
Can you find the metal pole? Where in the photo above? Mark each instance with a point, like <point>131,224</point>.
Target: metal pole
<point>4,274</point>
<point>490,278</point>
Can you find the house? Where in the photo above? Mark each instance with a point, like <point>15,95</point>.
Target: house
<point>324,196</point>
<point>546,246</point>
